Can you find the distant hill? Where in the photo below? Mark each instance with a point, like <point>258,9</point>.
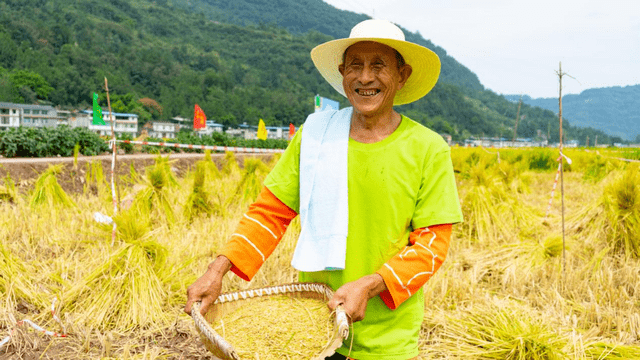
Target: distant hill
<point>239,60</point>
<point>300,16</point>
<point>614,110</point>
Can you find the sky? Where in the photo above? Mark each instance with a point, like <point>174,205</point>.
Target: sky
<point>515,46</point>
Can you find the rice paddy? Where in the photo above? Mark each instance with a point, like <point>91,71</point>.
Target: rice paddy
<point>506,291</point>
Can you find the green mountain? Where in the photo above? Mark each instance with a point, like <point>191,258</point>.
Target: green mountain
<point>613,110</point>
<point>238,60</point>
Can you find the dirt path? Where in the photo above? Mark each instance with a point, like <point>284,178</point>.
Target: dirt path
<point>24,171</point>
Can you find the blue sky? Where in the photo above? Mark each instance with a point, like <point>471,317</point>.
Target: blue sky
<point>515,46</point>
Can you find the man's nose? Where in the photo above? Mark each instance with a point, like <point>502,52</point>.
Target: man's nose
<point>366,75</point>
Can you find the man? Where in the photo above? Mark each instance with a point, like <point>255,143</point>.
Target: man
<point>400,204</point>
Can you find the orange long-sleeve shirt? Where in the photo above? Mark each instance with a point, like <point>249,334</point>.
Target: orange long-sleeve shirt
<point>262,227</point>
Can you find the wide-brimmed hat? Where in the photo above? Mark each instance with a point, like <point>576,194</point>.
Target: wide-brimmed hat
<point>424,62</point>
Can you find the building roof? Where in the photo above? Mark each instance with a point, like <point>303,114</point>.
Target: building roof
<point>181,119</point>
<point>113,113</point>
<point>26,106</point>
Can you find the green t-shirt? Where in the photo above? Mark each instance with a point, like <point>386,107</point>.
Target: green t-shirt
<point>401,183</point>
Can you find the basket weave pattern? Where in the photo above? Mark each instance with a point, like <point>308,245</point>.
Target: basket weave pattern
<point>225,351</point>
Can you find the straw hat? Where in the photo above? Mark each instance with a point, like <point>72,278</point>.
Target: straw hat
<point>425,63</point>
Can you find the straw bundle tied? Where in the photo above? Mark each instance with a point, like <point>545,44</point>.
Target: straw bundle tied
<point>47,191</point>
<point>278,322</point>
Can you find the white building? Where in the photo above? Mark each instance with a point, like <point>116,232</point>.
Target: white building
<point>10,115</point>
<point>182,123</point>
<point>212,127</point>
<point>14,115</point>
<point>163,130</point>
<point>124,123</point>
<point>503,143</point>
<point>245,131</point>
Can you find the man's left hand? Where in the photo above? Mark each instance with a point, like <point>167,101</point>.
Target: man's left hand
<point>353,296</point>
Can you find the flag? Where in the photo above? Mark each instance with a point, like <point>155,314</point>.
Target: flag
<point>97,111</point>
<point>199,119</point>
<point>262,130</point>
<point>292,130</point>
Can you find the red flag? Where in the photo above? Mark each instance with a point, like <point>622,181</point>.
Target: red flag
<point>292,130</point>
<point>199,119</point>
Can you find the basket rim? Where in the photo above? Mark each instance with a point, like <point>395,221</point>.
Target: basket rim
<point>204,328</point>
<point>231,296</point>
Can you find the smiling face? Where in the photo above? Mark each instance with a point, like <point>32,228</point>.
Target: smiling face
<point>371,77</point>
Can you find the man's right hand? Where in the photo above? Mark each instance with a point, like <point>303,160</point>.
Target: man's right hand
<point>207,288</point>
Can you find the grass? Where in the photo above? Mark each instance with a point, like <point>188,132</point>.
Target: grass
<point>501,293</point>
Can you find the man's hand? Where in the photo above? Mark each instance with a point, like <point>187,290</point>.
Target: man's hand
<point>207,288</point>
<point>353,296</point>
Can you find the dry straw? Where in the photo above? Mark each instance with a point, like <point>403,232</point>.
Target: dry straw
<point>613,220</point>
<point>47,192</point>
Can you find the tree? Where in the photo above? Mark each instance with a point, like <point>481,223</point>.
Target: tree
<point>28,83</point>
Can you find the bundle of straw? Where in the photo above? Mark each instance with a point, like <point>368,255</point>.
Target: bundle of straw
<point>230,166</point>
<point>15,281</point>
<point>125,292</point>
<point>251,183</point>
<point>47,191</point>
<point>199,200</point>
<point>8,191</point>
<point>615,216</point>
<point>500,333</point>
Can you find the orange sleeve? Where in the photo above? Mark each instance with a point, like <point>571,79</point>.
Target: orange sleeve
<point>411,268</point>
<point>257,235</point>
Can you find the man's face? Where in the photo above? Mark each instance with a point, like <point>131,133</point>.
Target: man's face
<point>371,77</point>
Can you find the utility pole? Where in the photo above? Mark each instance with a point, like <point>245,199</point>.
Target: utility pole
<point>515,128</point>
<point>564,263</point>
<point>587,141</point>
<point>596,144</point>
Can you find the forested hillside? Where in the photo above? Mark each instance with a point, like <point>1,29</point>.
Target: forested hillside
<point>218,54</point>
<point>613,110</point>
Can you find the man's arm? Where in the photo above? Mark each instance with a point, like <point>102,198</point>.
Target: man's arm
<point>257,235</point>
<point>411,268</point>
<point>400,277</point>
<point>259,232</point>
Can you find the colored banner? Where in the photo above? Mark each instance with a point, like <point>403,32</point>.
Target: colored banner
<point>262,130</point>
<point>292,131</point>
<point>322,104</point>
<point>199,119</point>
<point>97,111</point>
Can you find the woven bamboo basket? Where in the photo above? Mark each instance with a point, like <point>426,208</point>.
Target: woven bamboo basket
<point>223,350</point>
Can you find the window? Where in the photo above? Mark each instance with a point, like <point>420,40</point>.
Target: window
<point>35,112</point>
<point>27,111</point>
<point>5,121</point>
<point>44,112</point>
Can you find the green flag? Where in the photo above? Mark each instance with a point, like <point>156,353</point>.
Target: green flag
<point>97,111</point>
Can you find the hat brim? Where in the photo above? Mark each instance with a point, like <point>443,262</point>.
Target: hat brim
<point>425,66</point>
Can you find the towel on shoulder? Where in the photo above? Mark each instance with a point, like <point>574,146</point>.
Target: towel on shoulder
<point>324,202</point>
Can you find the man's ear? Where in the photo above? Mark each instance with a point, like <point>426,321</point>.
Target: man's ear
<point>341,69</point>
<point>405,71</point>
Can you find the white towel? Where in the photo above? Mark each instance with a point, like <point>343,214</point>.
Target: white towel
<point>324,204</point>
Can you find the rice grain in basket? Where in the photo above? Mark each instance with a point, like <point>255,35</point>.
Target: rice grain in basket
<point>287,321</point>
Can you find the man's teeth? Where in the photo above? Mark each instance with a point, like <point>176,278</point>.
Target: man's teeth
<point>367,92</point>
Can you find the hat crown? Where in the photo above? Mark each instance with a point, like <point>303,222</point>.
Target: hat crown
<point>375,28</point>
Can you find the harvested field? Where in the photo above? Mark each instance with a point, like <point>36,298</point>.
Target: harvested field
<point>505,291</point>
